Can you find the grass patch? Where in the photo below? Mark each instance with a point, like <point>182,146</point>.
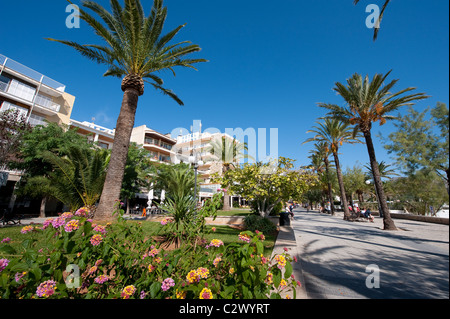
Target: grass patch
<point>234,212</point>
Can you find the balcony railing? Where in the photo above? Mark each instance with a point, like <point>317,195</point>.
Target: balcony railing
<point>47,103</point>
<point>30,73</point>
<point>41,100</point>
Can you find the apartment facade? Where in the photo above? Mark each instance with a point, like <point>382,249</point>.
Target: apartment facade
<point>101,136</point>
<point>160,146</point>
<point>197,144</point>
<point>35,95</point>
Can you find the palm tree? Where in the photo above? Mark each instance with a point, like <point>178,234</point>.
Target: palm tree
<point>228,152</point>
<point>386,170</point>
<point>378,23</point>
<point>321,153</point>
<point>366,103</point>
<point>335,133</point>
<point>135,51</point>
<point>77,179</point>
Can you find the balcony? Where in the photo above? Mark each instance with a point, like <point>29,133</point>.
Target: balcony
<point>27,93</point>
<point>30,75</point>
<point>47,103</point>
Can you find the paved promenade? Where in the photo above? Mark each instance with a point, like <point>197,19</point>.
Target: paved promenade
<point>413,262</point>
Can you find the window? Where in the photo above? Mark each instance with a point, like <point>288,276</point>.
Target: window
<point>37,120</point>
<point>4,83</point>
<point>166,146</point>
<point>149,140</point>
<point>103,145</point>
<point>8,106</point>
<point>164,158</point>
<point>21,90</point>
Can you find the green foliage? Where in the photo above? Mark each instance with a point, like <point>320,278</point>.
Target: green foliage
<point>419,191</point>
<point>13,126</point>
<point>256,222</point>
<point>137,171</point>
<point>118,260</point>
<point>78,178</point>
<point>268,184</point>
<point>417,144</point>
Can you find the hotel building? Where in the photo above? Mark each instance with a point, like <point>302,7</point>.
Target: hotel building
<point>101,136</point>
<point>35,95</point>
<point>196,144</point>
<point>159,145</point>
<point>39,99</point>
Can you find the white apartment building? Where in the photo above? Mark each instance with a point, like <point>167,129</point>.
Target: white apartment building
<point>39,98</point>
<point>196,144</point>
<point>35,95</point>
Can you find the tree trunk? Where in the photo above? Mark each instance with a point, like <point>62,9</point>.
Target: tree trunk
<point>226,197</point>
<point>330,193</point>
<point>344,203</point>
<point>116,168</point>
<point>387,220</point>
<point>447,171</point>
<point>42,208</point>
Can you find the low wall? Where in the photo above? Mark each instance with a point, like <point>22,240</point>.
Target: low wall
<point>420,218</point>
<point>234,220</point>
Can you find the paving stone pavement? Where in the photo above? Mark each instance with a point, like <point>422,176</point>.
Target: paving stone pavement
<point>413,262</point>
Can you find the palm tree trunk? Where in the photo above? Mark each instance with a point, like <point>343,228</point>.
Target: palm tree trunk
<point>42,208</point>
<point>330,193</point>
<point>116,168</point>
<point>387,220</point>
<point>226,197</point>
<point>341,187</point>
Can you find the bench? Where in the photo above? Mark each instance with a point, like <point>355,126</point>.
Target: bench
<point>7,216</point>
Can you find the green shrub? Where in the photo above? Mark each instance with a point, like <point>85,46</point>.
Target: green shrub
<point>256,222</point>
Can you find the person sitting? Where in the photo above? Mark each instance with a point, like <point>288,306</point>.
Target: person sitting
<point>368,215</point>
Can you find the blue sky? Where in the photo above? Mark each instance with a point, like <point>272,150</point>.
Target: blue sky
<point>271,62</point>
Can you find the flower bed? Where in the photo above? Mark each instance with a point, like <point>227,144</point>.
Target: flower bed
<point>83,260</point>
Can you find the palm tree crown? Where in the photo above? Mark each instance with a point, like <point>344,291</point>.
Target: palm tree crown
<point>368,101</point>
<point>334,132</point>
<point>134,45</point>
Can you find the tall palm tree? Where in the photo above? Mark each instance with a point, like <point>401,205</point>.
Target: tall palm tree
<point>335,133</point>
<point>366,103</point>
<point>135,51</point>
<point>378,23</point>
<point>322,152</point>
<point>228,152</point>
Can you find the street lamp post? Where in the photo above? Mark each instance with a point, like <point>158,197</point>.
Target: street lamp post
<point>193,159</point>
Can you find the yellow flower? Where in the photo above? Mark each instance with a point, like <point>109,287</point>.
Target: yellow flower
<point>203,272</point>
<point>269,279</point>
<point>281,261</point>
<point>181,294</point>
<point>231,271</point>
<point>206,294</point>
<point>192,276</point>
